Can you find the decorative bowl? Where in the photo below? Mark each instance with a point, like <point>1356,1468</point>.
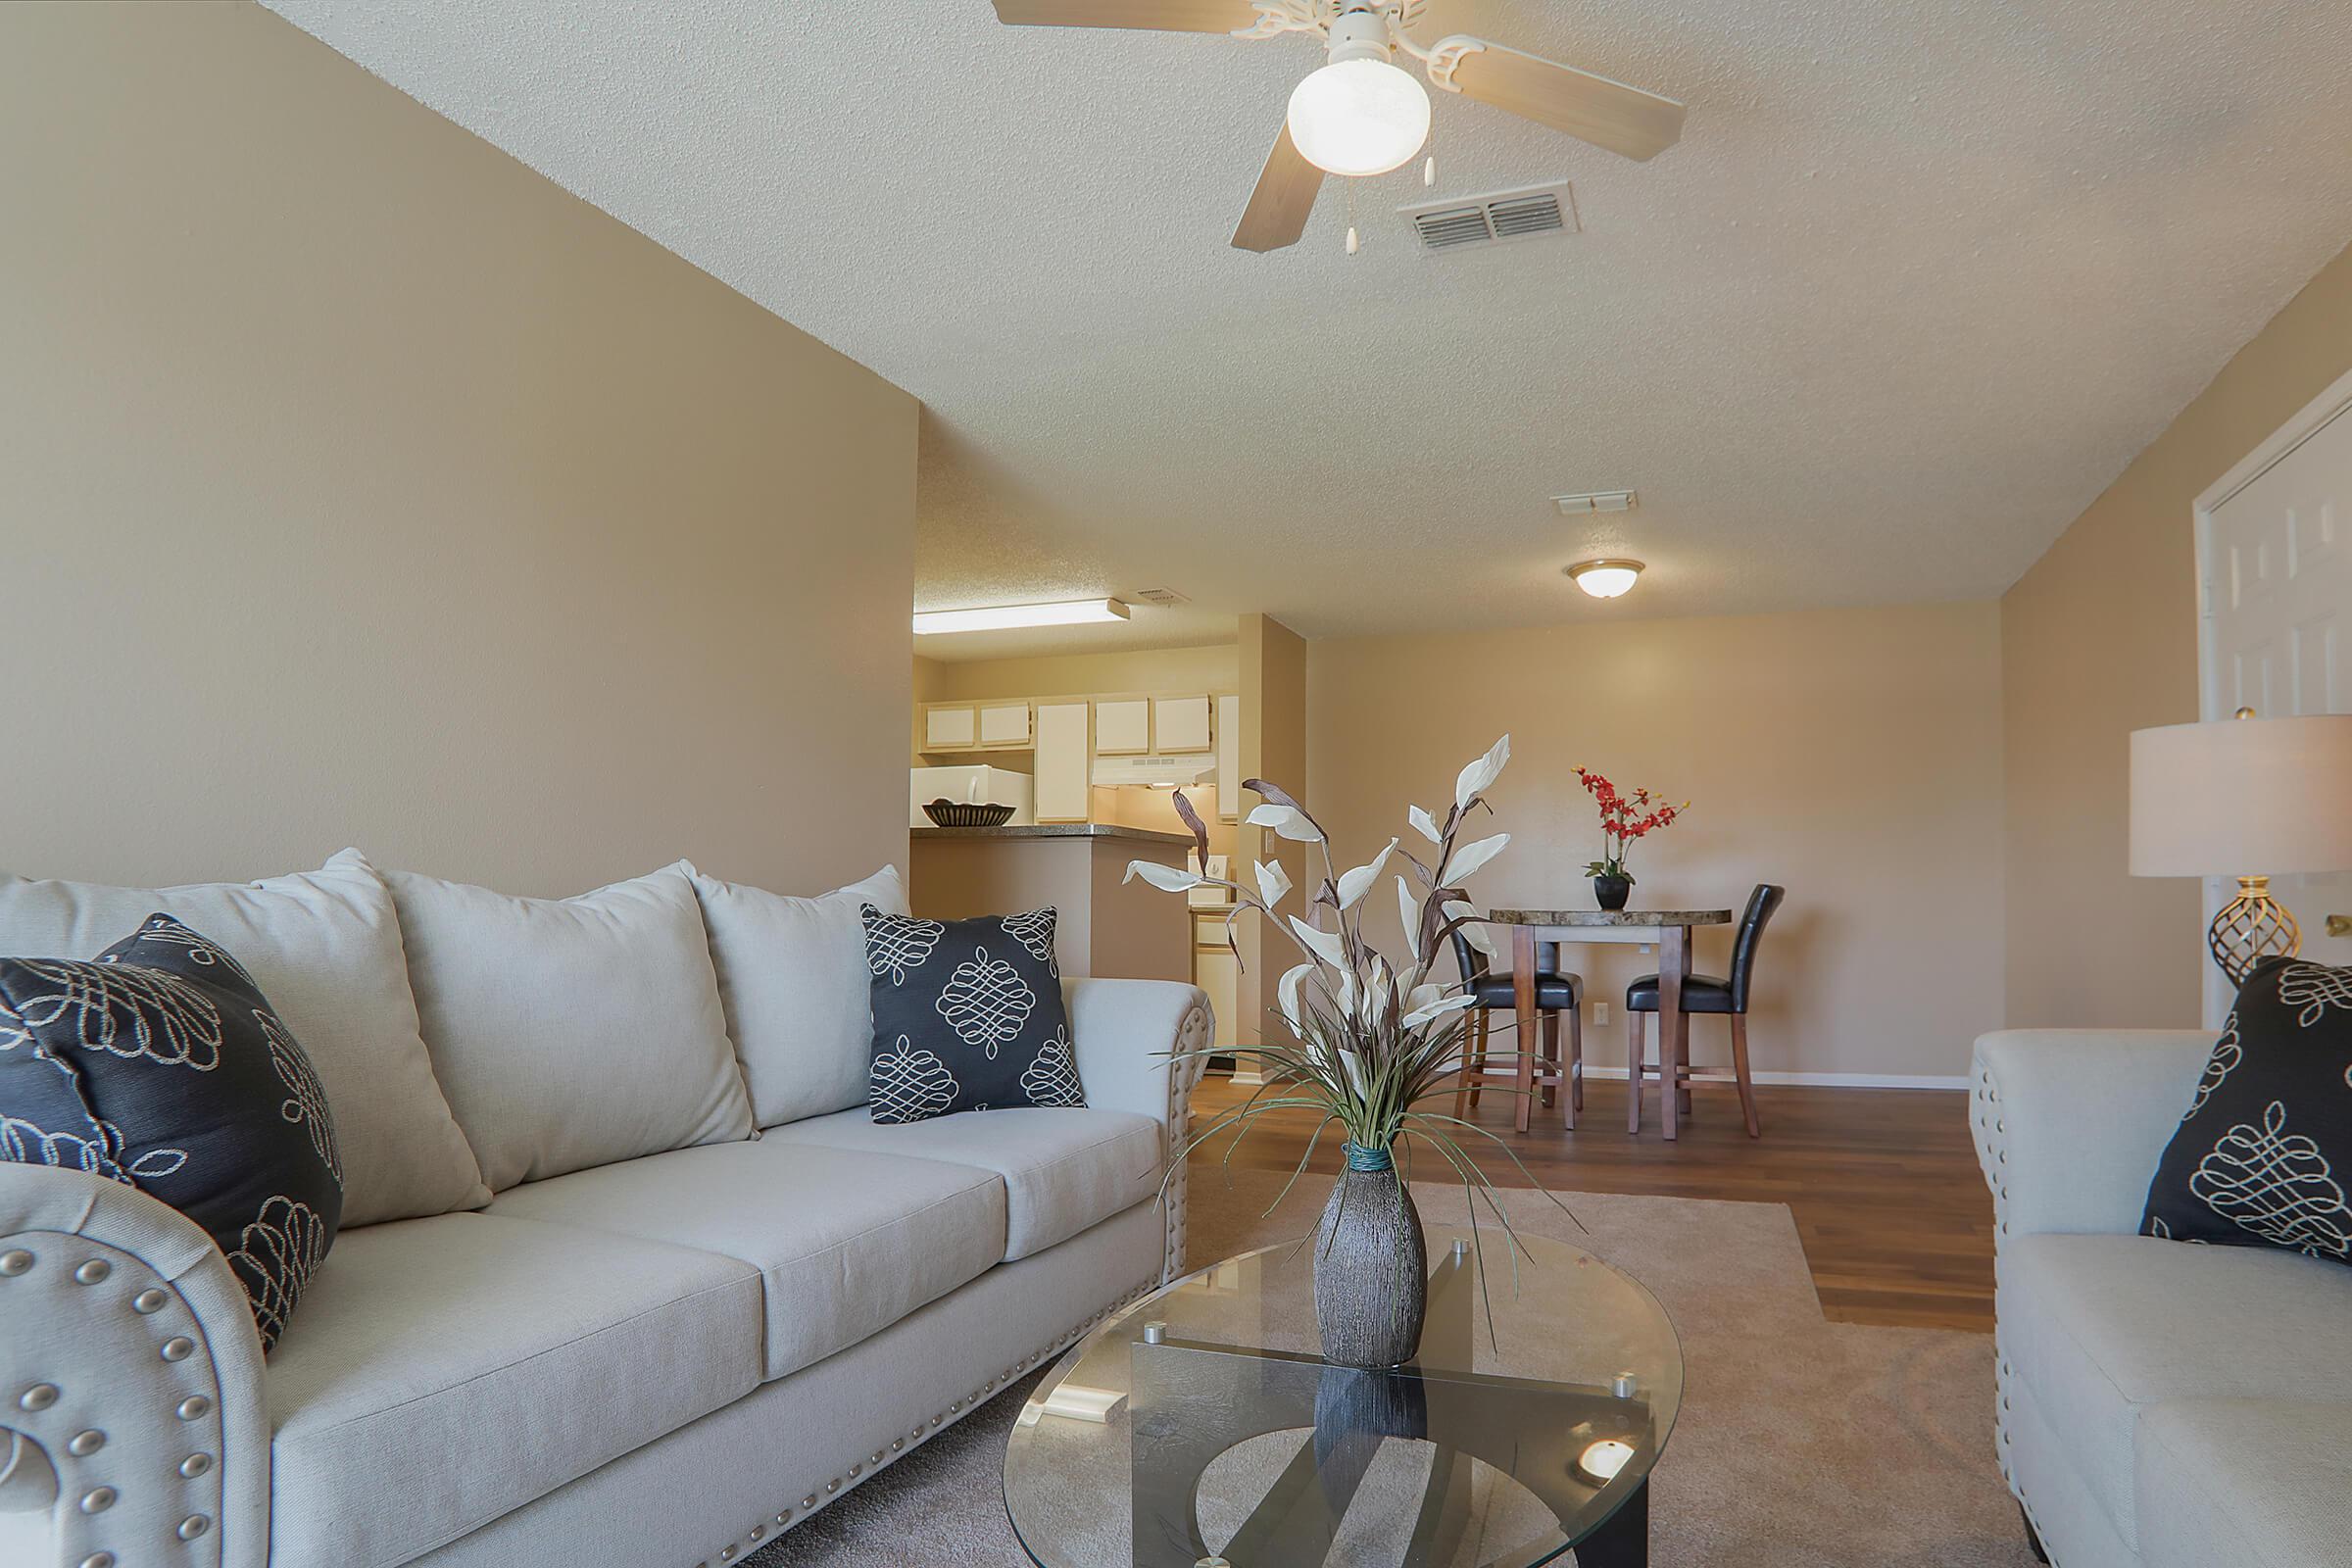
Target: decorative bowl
<point>967,813</point>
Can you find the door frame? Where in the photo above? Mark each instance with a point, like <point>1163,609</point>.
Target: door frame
<point>2274,449</point>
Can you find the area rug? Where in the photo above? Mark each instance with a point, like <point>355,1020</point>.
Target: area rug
<point>1802,1442</point>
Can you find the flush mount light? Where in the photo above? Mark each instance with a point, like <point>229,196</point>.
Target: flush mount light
<point>1604,579</point>
<point>1588,502</point>
<point>1005,617</point>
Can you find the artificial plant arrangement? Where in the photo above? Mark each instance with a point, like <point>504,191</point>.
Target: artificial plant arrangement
<point>1371,1041</point>
<point>1623,818</point>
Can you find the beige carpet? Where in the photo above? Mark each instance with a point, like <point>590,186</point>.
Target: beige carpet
<point>1802,1442</point>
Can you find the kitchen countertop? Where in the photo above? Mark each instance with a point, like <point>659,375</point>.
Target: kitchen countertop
<point>1054,831</point>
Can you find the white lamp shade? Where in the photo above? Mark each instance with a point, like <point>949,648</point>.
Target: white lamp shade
<point>1358,117</point>
<point>2242,797</point>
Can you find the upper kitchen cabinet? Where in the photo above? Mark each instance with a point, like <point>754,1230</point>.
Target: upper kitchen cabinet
<point>1004,726</point>
<point>1180,724</point>
<point>951,727</point>
<point>1064,761</point>
<point>1122,727</point>
<point>1229,757</point>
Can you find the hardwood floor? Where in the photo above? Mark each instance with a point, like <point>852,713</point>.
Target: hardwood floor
<point>1894,1216</point>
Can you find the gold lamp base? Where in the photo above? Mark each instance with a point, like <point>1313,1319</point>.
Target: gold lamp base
<point>2252,927</point>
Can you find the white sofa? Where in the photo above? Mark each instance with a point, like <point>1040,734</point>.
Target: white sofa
<point>558,1357</point>
<point>2161,1403</point>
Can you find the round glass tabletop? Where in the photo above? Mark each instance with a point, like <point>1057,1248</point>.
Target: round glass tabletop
<point>1201,1427</point>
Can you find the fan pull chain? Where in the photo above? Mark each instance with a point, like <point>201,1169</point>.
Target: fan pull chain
<point>1351,239</point>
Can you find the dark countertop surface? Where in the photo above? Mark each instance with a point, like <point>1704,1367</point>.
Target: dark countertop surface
<point>1054,831</point>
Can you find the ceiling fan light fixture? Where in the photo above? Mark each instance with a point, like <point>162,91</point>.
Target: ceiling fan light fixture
<point>1360,116</point>
<point>1605,579</point>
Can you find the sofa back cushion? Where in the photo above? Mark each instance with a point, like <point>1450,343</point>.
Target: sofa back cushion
<point>572,1032</point>
<point>792,975</point>
<point>325,947</point>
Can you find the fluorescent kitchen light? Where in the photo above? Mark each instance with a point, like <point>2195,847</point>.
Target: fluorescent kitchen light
<point>1003,617</point>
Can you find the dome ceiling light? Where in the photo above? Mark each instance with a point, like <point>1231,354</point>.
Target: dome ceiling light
<point>1361,114</point>
<point>1609,578</point>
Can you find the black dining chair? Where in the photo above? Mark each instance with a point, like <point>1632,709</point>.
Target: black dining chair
<point>1704,993</point>
<point>1556,993</point>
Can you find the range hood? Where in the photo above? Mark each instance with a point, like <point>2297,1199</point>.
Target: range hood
<point>1183,767</point>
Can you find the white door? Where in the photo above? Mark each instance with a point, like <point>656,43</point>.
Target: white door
<point>2278,608</point>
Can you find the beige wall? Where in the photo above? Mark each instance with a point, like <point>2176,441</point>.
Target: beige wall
<point>1156,669</point>
<point>2099,639</point>
<point>1854,755</point>
<point>1274,748</point>
<point>362,486</point>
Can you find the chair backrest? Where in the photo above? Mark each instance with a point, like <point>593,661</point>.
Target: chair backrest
<point>1760,905</point>
<point>1471,961</point>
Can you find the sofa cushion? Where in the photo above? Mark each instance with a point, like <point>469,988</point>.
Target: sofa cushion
<point>160,1065</point>
<point>444,1371</point>
<point>572,1032</point>
<point>2251,1483</point>
<point>325,947</point>
<point>1063,1170</point>
<point>969,1015</point>
<point>2261,1155</point>
<point>792,976</point>
<point>2102,1325</point>
<point>846,1243</point>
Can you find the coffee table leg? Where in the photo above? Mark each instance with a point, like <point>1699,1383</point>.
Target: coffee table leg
<point>1624,1542</point>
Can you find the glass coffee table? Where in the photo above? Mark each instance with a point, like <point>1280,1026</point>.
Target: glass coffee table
<point>1199,1429</point>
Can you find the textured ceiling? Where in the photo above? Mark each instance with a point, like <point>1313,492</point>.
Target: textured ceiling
<point>1920,278</point>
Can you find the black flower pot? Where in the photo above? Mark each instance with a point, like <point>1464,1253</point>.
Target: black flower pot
<point>1611,892</point>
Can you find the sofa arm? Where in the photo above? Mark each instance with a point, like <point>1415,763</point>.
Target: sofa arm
<point>130,1383</point>
<point>2069,1124</point>
<point>1124,1032</point>
<point>1132,1038</point>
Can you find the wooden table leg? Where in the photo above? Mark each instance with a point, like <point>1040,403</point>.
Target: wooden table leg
<point>1523,1000</point>
<point>1674,964</point>
<point>1633,1031</point>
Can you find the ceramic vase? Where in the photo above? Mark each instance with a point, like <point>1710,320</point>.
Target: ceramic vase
<point>1371,1266</point>
<point>1611,892</point>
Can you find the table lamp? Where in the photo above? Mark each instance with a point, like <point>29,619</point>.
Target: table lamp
<point>2250,798</point>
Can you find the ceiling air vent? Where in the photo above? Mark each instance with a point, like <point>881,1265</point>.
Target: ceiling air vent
<point>1164,598</point>
<point>1531,213</point>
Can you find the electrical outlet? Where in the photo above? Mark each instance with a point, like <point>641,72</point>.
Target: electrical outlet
<point>1600,1013</point>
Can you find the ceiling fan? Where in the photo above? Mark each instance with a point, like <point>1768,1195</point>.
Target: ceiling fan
<point>1361,114</point>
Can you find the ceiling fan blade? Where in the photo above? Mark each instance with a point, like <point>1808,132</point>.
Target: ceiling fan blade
<point>1608,113</point>
<point>1286,194</point>
<point>1162,16</point>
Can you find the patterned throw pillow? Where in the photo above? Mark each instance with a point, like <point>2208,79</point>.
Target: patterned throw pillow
<point>2264,1155</point>
<point>967,1015</point>
<point>161,1065</point>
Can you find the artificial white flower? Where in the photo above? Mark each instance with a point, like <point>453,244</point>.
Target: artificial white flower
<point>1477,776</point>
<point>1166,878</point>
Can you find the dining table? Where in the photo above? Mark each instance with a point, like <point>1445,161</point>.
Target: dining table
<point>1535,933</point>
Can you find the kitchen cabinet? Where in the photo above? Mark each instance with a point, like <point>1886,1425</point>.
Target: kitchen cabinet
<point>1122,727</point>
<point>1004,726</point>
<point>951,727</point>
<point>1216,971</point>
<point>1179,724</point>
<point>1229,757</point>
<point>1064,761</point>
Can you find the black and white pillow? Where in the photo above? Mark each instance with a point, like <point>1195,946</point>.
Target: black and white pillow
<point>967,1015</point>
<point>161,1065</point>
<point>2264,1155</point>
